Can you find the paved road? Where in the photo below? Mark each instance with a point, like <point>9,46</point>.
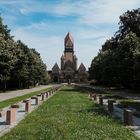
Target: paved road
<point>13,94</point>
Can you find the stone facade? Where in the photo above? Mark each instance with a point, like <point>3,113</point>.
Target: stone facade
<point>68,71</point>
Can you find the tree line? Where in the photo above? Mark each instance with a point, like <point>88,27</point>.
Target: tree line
<point>118,61</point>
<point>20,66</point>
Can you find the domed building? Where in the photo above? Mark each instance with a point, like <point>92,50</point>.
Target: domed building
<point>68,71</point>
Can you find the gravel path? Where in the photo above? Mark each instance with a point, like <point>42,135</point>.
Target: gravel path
<point>13,94</point>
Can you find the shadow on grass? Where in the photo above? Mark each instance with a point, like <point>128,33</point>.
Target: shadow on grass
<point>70,90</point>
<point>100,111</point>
<point>97,109</point>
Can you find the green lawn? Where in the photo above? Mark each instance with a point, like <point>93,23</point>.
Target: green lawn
<point>20,98</point>
<point>69,115</point>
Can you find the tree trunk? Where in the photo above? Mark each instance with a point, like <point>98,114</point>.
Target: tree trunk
<point>5,85</point>
<point>19,85</point>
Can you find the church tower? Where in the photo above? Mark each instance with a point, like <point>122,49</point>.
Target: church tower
<point>68,43</point>
<point>69,71</point>
<point>69,60</point>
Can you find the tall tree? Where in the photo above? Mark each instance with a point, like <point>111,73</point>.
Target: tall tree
<point>130,22</point>
<point>118,62</point>
<point>19,66</point>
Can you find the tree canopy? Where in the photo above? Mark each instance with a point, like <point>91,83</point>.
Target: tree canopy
<point>20,66</point>
<point>118,61</point>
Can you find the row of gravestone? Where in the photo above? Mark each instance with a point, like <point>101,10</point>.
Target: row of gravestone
<point>127,113</point>
<point>11,112</point>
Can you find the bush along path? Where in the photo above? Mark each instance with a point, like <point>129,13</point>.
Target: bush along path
<point>69,115</point>
<point>10,116</point>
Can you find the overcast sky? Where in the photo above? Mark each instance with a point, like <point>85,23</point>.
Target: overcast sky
<point>43,24</point>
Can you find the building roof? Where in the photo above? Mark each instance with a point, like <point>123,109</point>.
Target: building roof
<point>55,68</point>
<point>62,57</point>
<point>69,37</point>
<point>82,68</point>
<point>75,57</point>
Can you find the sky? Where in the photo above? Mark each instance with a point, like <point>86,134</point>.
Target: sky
<point>43,25</point>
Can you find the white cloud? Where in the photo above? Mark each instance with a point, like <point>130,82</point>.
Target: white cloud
<point>106,11</point>
<point>10,1</point>
<point>37,26</point>
<point>23,11</point>
<point>94,34</point>
<point>87,29</point>
<point>48,47</point>
<point>88,12</point>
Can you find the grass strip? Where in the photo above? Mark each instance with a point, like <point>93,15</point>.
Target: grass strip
<point>11,101</point>
<point>69,115</point>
